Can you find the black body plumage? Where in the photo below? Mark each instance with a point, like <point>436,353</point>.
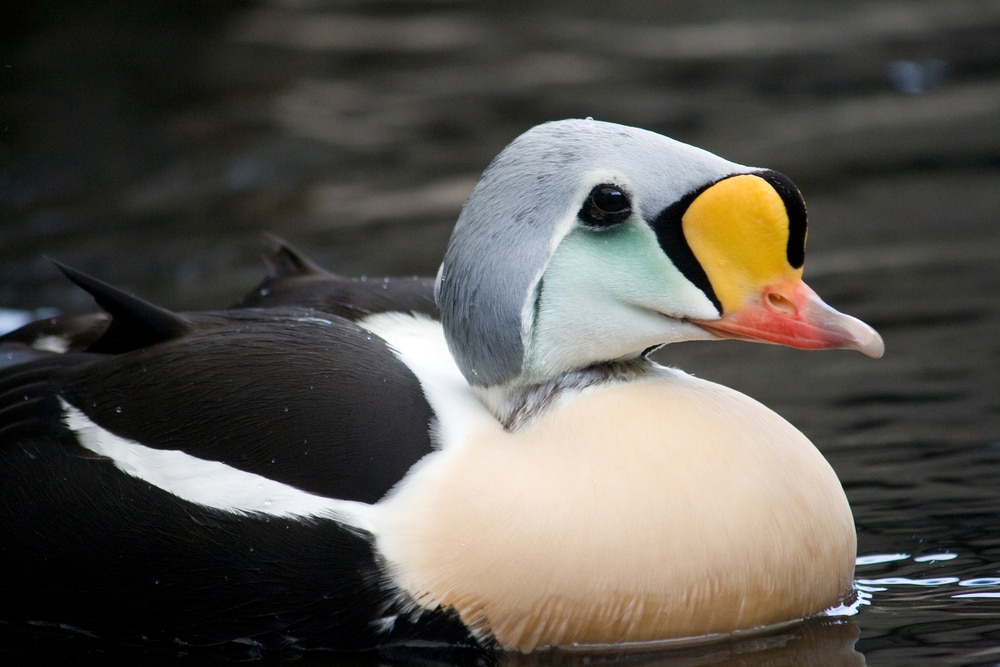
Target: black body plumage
<point>283,386</point>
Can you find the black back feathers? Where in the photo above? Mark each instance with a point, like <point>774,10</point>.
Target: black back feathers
<point>295,280</point>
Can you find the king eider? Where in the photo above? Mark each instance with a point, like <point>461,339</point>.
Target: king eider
<point>489,459</point>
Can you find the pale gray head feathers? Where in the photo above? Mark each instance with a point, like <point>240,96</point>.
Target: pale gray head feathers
<point>525,202</point>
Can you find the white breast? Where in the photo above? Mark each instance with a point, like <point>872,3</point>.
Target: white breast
<point>667,507</point>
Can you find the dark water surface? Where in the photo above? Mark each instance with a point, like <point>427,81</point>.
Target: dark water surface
<point>153,143</point>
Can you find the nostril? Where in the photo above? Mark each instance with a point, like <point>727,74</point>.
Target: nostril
<point>781,302</point>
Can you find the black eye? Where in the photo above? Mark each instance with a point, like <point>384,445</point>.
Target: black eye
<point>606,205</point>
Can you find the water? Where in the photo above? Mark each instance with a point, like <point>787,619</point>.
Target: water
<point>152,144</point>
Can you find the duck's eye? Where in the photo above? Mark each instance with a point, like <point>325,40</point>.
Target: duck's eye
<point>606,205</point>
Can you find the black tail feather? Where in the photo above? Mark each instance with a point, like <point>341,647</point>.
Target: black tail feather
<point>287,260</point>
<point>135,323</point>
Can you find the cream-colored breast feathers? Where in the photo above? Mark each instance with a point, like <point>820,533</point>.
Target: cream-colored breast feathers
<point>663,507</point>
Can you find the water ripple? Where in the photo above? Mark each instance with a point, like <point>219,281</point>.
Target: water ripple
<point>888,584</point>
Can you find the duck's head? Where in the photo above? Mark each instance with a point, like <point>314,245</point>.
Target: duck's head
<point>587,242</point>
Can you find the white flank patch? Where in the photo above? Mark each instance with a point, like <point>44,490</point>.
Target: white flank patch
<point>211,483</point>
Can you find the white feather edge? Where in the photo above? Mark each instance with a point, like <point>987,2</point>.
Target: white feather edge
<point>210,484</point>
<point>416,340</point>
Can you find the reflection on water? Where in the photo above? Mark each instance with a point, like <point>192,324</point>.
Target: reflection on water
<point>930,552</point>
<point>925,608</point>
<point>820,641</point>
<point>152,144</point>
<point>814,642</point>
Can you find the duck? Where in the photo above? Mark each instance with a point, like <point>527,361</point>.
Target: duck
<point>489,458</point>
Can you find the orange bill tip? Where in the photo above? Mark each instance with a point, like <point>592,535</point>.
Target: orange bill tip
<point>793,314</point>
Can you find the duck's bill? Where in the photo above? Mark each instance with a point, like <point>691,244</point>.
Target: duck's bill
<point>792,314</point>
